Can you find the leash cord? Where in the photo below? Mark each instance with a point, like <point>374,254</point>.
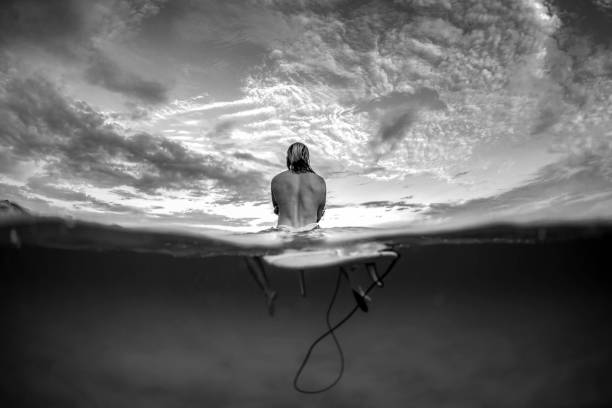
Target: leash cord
<point>331,331</point>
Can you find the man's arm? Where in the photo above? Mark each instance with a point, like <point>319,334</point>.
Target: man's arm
<point>274,203</point>
<point>321,209</point>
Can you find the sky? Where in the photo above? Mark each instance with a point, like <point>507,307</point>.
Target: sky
<point>179,113</point>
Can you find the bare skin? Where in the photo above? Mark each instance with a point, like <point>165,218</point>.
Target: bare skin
<point>255,267</point>
<point>298,198</point>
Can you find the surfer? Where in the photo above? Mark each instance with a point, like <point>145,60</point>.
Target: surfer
<point>298,198</point>
<point>298,194</point>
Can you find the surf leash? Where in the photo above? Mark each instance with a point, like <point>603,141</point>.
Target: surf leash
<point>331,331</point>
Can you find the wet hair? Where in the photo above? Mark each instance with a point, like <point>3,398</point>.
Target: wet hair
<point>298,158</point>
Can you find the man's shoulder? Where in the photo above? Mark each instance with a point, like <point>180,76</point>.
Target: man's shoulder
<point>279,176</point>
<point>287,175</point>
<point>317,182</point>
<point>319,179</point>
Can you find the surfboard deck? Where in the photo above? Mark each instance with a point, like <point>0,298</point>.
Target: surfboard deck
<point>325,257</point>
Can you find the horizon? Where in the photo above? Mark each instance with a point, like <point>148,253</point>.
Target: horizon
<point>158,113</point>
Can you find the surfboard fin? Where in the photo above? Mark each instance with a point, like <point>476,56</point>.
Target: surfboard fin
<point>360,296</point>
<point>371,267</point>
<point>362,299</point>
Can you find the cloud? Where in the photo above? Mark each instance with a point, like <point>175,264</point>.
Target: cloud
<point>417,84</point>
<point>579,186</point>
<point>78,199</point>
<point>75,33</point>
<point>124,18</point>
<point>397,111</point>
<point>221,130</point>
<point>57,26</point>
<point>9,208</point>
<point>214,44</point>
<point>390,205</point>
<point>249,114</point>
<point>66,24</point>
<point>107,73</point>
<point>393,127</point>
<point>423,97</point>
<point>547,117</point>
<point>227,122</point>
<point>73,141</point>
<point>592,18</point>
<point>490,75</point>
<point>197,107</point>
<point>250,157</point>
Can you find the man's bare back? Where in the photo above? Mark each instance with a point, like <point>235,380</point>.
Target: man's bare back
<point>298,198</point>
<point>298,194</point>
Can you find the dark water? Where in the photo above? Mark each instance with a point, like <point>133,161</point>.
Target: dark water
<point>459,323</point>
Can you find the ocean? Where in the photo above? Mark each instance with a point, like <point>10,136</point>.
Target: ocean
<point>514,315</point>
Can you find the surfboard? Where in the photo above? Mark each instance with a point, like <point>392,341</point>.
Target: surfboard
<point>325,257</point>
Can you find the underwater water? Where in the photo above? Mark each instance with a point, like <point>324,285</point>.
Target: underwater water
<point>498,315</point>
